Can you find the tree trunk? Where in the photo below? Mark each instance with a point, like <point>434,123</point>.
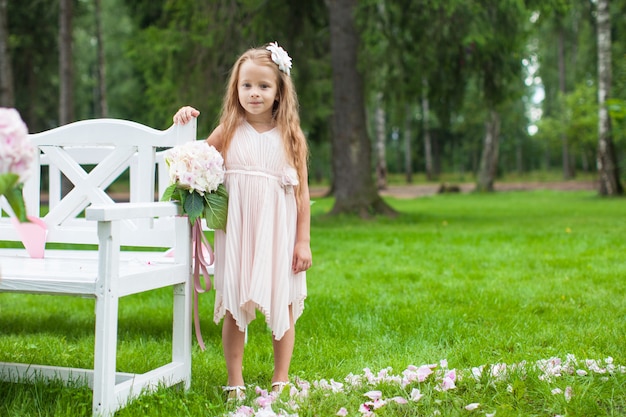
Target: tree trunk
<point>381,135</point>
<point>66,75</point>
<point>7,97</point>
<point>66,68</point>
<point>102,96</point>
<point>355,191</point>
<point>489,158</point>
<point>606,159</point>
<point>428,146</point>
<point>408,135</point>
<point>519,157</point>
<point>567,166</point>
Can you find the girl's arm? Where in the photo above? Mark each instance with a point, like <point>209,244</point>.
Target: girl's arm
<point>216,138</point>
<point>302,257</point>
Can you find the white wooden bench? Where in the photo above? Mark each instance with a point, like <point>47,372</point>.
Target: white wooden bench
<point>88,215</point>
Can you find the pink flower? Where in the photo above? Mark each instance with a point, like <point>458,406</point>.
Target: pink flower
<point>196,166</point>
<point>16,151</point>
<point>17,154</point>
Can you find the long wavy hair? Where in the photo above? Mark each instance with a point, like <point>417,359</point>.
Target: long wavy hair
<point>285,113</point>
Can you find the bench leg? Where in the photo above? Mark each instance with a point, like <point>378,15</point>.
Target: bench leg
<point>105,356</point>
<point>181,336</point>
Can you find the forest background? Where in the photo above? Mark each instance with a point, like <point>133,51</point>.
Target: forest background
<point>465,91</point>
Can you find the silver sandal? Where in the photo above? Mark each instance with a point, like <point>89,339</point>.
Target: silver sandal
<point>279,386</point>
<point>235,393</point>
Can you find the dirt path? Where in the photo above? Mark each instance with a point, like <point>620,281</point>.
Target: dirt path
<point>419,190</point>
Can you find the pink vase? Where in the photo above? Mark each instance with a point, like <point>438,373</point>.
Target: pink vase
<point>33,234</point>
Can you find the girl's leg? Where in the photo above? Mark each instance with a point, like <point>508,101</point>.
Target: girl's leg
<point>283,351</point>
<point>233,344</point>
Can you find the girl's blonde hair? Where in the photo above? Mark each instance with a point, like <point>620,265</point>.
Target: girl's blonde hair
<point>285,113</point>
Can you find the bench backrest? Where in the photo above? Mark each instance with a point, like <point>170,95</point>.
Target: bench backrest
<point>92,154</point>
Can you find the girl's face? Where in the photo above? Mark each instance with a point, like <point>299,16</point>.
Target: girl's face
<point>257,90</point>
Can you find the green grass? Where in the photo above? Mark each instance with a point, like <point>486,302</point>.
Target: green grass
<point>509,278</point>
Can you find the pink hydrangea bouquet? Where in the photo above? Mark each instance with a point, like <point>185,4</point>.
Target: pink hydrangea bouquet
<point>16,156</point>
<point>197,175</point>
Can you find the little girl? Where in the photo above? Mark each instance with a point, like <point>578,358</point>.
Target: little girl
<point>261,258</point>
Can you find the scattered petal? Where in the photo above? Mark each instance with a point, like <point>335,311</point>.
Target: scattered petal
<point>472,406</point>
<point>342,412</point>
<point>399,400</point>
<point>416,395</point>
<point>568,393</point>
<point>374,395</point>
<point>378,403</point>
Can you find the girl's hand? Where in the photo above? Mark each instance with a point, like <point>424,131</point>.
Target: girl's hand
<point>184,114</point>
<point>302,258</point>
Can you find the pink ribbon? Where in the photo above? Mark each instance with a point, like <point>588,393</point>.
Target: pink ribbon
<point>199,244</point>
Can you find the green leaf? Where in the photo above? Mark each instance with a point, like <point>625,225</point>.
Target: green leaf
<point>16,201</point>
<point>169,192</point>
<point>216,211</point>
<point>7,182</point>
<point>193,206</point>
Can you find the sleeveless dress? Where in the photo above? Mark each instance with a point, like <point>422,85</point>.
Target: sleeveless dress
<point>253,257</point>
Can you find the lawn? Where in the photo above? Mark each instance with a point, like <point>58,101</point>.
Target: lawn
<point>507,304</point>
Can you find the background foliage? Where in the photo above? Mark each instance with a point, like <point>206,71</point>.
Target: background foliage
<point>460,56</point>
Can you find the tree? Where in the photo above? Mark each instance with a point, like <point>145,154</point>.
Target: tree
<point>66,64</point>
<point>606,159</point>
<point>102,91</point>
<point>497,56</point>
<point>7,98</point>
<point>354,188</point>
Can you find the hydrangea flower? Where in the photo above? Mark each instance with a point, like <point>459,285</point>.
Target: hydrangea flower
<point>197,172</point>
<point>17,154</point>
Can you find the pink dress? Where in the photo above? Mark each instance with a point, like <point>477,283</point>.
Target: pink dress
<point>253,257</point>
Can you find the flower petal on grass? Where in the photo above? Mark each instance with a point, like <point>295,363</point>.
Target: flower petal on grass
<point>379,403</point>
<point>472,406</point>
<point>374,395</point>
<point>447,383</point>
<point>568,393</point>
<point>342,412</point>
<point>416,395</point>
<point>399,400</point>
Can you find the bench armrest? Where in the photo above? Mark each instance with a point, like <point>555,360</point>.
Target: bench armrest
<point>121,211</point>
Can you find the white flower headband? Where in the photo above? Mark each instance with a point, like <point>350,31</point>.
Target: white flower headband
<point>280,57</point>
